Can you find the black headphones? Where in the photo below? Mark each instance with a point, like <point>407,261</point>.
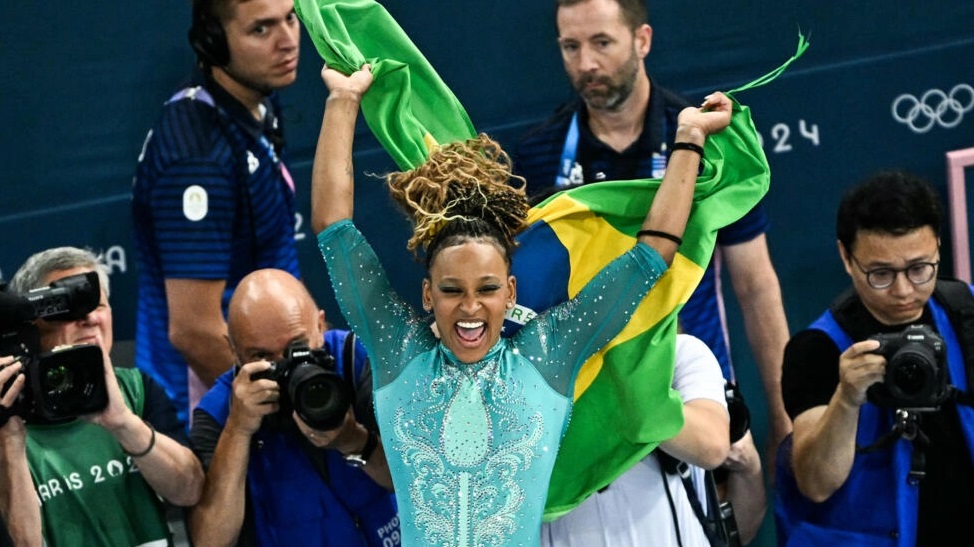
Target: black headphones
<point>207,37</point>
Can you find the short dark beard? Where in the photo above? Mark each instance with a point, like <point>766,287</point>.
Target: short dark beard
<point>617,93</point>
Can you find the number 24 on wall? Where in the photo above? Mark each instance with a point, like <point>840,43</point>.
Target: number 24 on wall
<point>781,135</point>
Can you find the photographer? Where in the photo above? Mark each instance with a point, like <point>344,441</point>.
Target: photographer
<point>96,480</point>
<point>865,466</point>
<point>273,478</point>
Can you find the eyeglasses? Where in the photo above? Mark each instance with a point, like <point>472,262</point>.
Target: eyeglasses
<point>917,273</point>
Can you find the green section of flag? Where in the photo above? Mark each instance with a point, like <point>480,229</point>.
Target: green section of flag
<point>408,106</point>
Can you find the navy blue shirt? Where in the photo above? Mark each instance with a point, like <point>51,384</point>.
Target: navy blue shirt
<point>211,200</point>
<point>539,155</point>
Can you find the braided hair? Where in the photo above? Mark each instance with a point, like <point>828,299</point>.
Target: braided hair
<point>463,191</point>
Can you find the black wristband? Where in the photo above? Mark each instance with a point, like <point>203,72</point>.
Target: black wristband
<point>152,443</point>
<point>362,458</point>
<point>370,445</point>
<point>664,235</point>
<point>687,146</point>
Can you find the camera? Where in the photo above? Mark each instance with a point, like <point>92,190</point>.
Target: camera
<point>727,522</point>
<point>65,382</point>
<point>740,416</point>
<point>916,375</point>
<point>311,386</point>
<point>740,421</point>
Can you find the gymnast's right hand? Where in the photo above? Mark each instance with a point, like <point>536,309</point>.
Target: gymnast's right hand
<point>351,86</point>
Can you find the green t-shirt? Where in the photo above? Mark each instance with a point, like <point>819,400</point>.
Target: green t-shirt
<point>89,490</point>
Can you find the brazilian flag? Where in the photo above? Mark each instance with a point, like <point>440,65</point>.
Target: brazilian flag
<point>624,406</point>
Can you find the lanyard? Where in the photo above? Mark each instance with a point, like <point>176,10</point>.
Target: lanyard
<point>568,154</point>
<point>199,93</point>
<point>570,171</point>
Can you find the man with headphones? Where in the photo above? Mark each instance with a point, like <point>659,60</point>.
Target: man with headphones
<point>212,199</point>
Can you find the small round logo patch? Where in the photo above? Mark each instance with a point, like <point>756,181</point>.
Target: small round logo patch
<point>195,203</point>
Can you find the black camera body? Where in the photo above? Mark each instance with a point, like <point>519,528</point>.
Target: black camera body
<point>740,422</point>
<point>740,415</point>
<point>66,382</point>
<point>727,522</point>
<point>311,386</point>
<point>916,370</point>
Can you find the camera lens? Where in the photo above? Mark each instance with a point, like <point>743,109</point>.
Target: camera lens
<point>60,391</point>
<point>911,374</point>
<point>909,377</point>
<point>59,380</point>
<point>71,382</point>
<point>320,397</point>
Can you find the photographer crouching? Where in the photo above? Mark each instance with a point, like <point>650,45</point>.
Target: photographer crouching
<point>877,387</point>
<point>288,436</point>
<point>86,450</point>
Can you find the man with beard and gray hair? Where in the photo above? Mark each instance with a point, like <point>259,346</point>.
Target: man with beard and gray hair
<point>621,127</point>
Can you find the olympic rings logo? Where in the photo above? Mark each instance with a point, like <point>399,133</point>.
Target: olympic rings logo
<point>934,107</point>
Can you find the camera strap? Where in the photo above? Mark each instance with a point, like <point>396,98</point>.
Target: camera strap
<point>315,454</point>
<point>319,460</point>
<point>712,525</point>
<point>906,426</point>
<point>961,397</point>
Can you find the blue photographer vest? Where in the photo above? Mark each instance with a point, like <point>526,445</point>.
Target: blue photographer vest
<point>292,503</point>
<point>877,505</point>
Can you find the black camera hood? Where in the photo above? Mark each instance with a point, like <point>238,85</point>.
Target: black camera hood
<point>66,299</point>
<point>15,311</point>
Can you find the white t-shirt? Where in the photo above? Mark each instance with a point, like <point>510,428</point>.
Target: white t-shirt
<point>634,511</point>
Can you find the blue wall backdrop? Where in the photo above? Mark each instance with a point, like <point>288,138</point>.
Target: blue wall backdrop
<point>83,82</point>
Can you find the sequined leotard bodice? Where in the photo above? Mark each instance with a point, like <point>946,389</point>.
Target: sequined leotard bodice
<point>471,446</point>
